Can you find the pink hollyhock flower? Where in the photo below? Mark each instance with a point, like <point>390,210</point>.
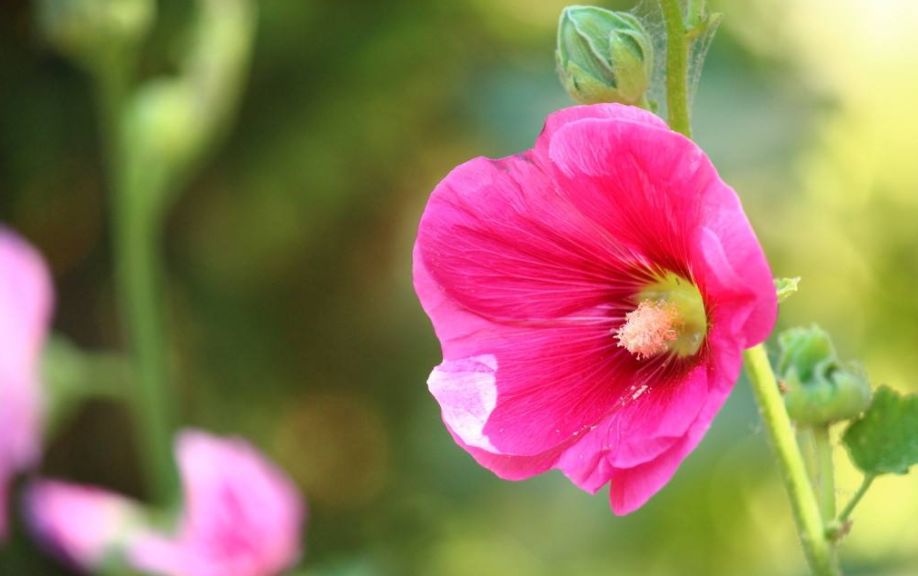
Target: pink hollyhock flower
<point>592,297</point>
<point>25,313</point>
<point>242,516</point>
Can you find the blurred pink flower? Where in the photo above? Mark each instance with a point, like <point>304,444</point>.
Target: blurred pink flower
<point>82,524</point>
<point>25,311</point>
<point>242,516</point>
<point>592,297</point>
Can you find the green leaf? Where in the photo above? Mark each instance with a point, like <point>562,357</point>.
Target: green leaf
<point>786,286</point>
<point>885,439</point>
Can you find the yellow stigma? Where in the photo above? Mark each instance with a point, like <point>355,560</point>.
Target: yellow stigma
<point>649,329</point>
<point>670,317</point>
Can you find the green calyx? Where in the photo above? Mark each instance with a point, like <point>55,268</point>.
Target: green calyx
<point>691,324</point>
<point>603,56</point>
<point>820,388</point>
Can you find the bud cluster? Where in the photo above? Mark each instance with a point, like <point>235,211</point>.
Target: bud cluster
<point>820,388</point>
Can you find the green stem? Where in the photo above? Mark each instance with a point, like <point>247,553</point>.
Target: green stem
<point>825,472</point>
<point>808,450</point>
<point>73,376</point>
<point>137,283</point>
<point>810,527</point>
<point>677,48</point>
<point>849,508</point>
<point>101,375</point>
<point>111,89</point>
<point>806,512</point>
<point>110,373</point>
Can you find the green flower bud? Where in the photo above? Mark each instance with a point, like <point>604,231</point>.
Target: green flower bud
<point>820,389</point>
<point>163,122</point>
<point>94,30</point>
<point>603,56</point>
<point>805,351</point>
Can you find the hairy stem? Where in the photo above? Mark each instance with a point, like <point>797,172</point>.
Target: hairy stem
<point>810,527</point>
<point>677,49</point>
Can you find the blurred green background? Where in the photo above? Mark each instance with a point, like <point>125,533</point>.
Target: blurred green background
<point>293,322</point>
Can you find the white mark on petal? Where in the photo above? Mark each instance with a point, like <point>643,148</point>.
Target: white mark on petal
<point>639,392</point>
<point>467,392</point>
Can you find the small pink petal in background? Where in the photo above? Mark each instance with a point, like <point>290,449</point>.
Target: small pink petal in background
<point>242,517</point>
<point>82,524</point>
<point>26,301</point>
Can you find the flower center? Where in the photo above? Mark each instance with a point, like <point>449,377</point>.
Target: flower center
<point>649,329</point>
<point>669,318</point>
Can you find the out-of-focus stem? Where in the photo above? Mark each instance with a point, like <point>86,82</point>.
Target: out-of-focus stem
<point>852,504</point>
<point>694,13</point>
<point>825,472</point>
<point>807,450</point>
<point>137,282</point>
<point>810,527</point>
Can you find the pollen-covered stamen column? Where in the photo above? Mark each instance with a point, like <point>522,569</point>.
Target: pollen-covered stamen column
<point>670,317</point>
<point>806,511</point>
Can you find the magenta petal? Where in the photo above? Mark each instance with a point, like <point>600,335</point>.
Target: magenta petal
<point>741,278</point>
<point>633,486</point>
<point>652,420</point>
<point>465,411</point>
<point>617,112</point>
<point>515,390</point>
<point>648,424</point>
<point>664,199</point>
<point>504,245</point>
<point>641,184</point>
<point>513,467</point>
<point>534,390</point>
<point>467,395</point>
